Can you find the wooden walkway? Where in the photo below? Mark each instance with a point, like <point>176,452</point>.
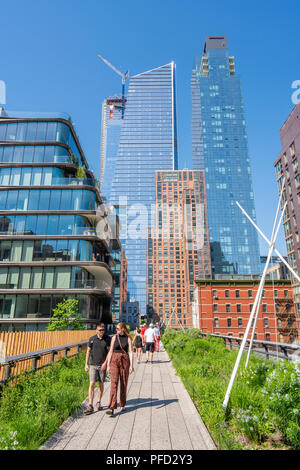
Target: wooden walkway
<point>160,415</point>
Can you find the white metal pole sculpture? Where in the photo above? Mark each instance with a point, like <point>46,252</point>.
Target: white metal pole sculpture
<point>271,249</point>
<point>273,239</point>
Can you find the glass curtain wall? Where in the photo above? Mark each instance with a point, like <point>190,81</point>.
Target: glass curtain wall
<point>148,142</point>
<point>220,147</point>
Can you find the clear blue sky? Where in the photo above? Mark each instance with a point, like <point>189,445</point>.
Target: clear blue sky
<point>48,59</point>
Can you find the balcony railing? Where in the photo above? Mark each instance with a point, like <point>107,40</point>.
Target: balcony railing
<point>86,231</point>
<point>73,284</point>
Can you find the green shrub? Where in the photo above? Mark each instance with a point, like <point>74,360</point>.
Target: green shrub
<point>36,405</point>
<point>264,399</point>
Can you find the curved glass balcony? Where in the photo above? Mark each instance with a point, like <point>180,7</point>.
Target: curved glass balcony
<point>73,284</point>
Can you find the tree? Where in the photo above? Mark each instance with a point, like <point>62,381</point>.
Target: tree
<point>66,317</point>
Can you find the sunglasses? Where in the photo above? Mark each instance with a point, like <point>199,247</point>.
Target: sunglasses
<point>102,329</point>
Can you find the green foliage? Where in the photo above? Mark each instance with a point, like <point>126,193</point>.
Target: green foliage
<point>74,159</point>
<point>265,397</point>
<point>282,397</point>
<point>66,317</point>
<point>33,408</point>
<point>80,173</point>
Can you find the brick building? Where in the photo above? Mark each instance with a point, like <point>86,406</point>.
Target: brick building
<point>287,166</point>
<point>224,306</point>
<point>178,245</point>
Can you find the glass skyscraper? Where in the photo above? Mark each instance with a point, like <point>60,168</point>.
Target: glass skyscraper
<point>110,138</point>
<point>220,147</point>
<point>50,245</point>
<point>148,142</point>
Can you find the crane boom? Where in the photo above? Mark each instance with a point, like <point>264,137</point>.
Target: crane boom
<point>123,75</point>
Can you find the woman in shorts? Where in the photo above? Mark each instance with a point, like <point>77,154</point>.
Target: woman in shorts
<point>138,343</point>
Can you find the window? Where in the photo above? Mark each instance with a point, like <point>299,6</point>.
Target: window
<point>250,294</point>
<point>240,322</point>
<point>227,293</point>
<point>238,308</point>
<point>237,294</point>
<point>229,322</point>
<point>266,322</point>
<point>264,308</point>
<point>215,308</point>
<point>228,309</point>
<point>216,321</point>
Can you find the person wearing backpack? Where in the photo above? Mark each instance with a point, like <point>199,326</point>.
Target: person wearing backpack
<point>97,351</point>
<point>119,366</point>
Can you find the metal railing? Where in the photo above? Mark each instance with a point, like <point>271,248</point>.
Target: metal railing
<point>73,284</point>
<point>266,348</point>
<point>10,362</point>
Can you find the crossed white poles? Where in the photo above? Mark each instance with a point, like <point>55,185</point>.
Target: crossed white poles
<point>256,305</point>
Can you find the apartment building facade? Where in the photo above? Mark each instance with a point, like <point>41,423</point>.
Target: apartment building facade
<point>177,247</point>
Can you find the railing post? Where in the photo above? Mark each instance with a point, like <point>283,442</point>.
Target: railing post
<point>267,350</point>
<point>66,352</point>
<point>78,348</point>
<point>53,354</point>
<point>230,343</point>
<point>285,352</point>
<point>7,373</point>
<point>34,362</point>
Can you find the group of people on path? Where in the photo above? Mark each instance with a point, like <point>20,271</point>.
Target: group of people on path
<point>115,356</point>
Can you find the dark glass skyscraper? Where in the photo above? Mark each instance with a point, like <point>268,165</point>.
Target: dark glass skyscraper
<point>220,147</point>
<point>148,142</point>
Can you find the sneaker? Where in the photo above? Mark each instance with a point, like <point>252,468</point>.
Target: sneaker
<point>110,412</point>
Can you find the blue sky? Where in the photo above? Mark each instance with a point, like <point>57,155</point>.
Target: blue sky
<point>49,62</point>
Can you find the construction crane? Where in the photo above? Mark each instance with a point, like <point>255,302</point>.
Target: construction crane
<point>123,75</point>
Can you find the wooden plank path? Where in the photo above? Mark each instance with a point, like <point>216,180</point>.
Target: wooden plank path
<point>160,415</point>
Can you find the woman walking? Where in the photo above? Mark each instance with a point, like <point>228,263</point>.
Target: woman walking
<point>119,365</point>
<point>138,342</point>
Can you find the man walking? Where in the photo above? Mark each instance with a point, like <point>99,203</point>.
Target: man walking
<point>149,340</point>
<point>97,350</point>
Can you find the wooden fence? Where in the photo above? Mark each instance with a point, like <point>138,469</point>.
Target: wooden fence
<point>20,342</point>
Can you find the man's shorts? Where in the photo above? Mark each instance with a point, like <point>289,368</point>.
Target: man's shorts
<point>96,374</point>
<point>150,347</point>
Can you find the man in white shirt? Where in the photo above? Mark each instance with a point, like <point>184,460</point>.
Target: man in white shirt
<point>149,340</point>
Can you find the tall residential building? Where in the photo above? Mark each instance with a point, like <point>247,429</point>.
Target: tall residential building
<point>287,166</point>
<point>148,142</point>
<point>220,147</point>
<point>51,246</point>
<point>178,246</point>
<point>110,138</point>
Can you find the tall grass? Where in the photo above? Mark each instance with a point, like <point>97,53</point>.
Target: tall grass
<point>264,402</point>
<point>33,408</point>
